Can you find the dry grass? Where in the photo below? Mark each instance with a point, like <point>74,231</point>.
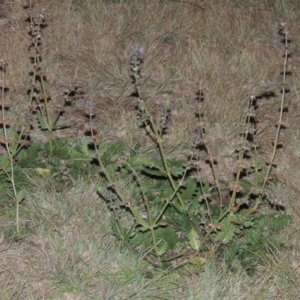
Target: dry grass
<point>234,49</point>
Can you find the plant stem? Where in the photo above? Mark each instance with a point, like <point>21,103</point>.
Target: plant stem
<point>279,126</point>
<point>11,156</point>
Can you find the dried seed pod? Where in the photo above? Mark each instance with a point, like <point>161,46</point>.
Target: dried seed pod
<point>5,121</point>
<point>4,103</point>
<point>235,186</point>
<point>4,140</point>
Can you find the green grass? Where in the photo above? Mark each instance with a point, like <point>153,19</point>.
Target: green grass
<point>68,250</point>
<point>65,248</point>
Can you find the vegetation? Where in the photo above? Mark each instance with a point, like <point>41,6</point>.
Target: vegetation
<point>149,150</point>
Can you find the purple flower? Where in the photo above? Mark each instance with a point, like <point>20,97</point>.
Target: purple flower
<point>90,104</point>
<point>137,52</point>
<point>142,50</point>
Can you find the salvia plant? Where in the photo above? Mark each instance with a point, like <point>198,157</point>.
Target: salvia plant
<point>160,204</point>
<point>62,160</point>
<point>41,101</point>
<point>12,140</point>
<point>175,217</point>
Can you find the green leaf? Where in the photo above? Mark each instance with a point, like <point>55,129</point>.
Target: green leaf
<point>4,162</point>
<point>20,195</point>
<point>198,263</point>
<point>155,168</point>
<point>187,223</point>
<point>168,235</point>
<point>111,151</point>
<point>138,162</point>
<point>117,229</point>
<point>101,190</point>
<point>84,148</point>
<point>176,167</point>
<point>178,206</point>
<point>42,123</point>
<point>257,166</point>
<point>188,192</point>
<point>194,239</point>
<point>246,185</point>
<point>166,189</point>
<point>139,219</point>
<point>61,126</point>
<point>130,232</point>
<point>30,157</point>
<point>142,239</point>
<point>155,172</point>
<point>227,232</point>
<point>232,251</point>
<point>161,248</point>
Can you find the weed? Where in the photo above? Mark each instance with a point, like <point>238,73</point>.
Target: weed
<point>40,96</point>
<point>178,218</point>
<point>64,160</point>
<point>13,140</point>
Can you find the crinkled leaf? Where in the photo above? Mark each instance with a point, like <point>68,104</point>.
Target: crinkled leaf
<point>42,123</point>
<point>84,148</point>
<point>189,190</point>
<point>112,151</point>
<point>28,158</point>
<point>154,172</point>
<point>177,167</point>
<point>168,235</point>
<point>178,206</point>
<point>137,162</point>
<point>247,186</point>
<point>231,251</point>
<point>186,222</point>
<point>154,167</point>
